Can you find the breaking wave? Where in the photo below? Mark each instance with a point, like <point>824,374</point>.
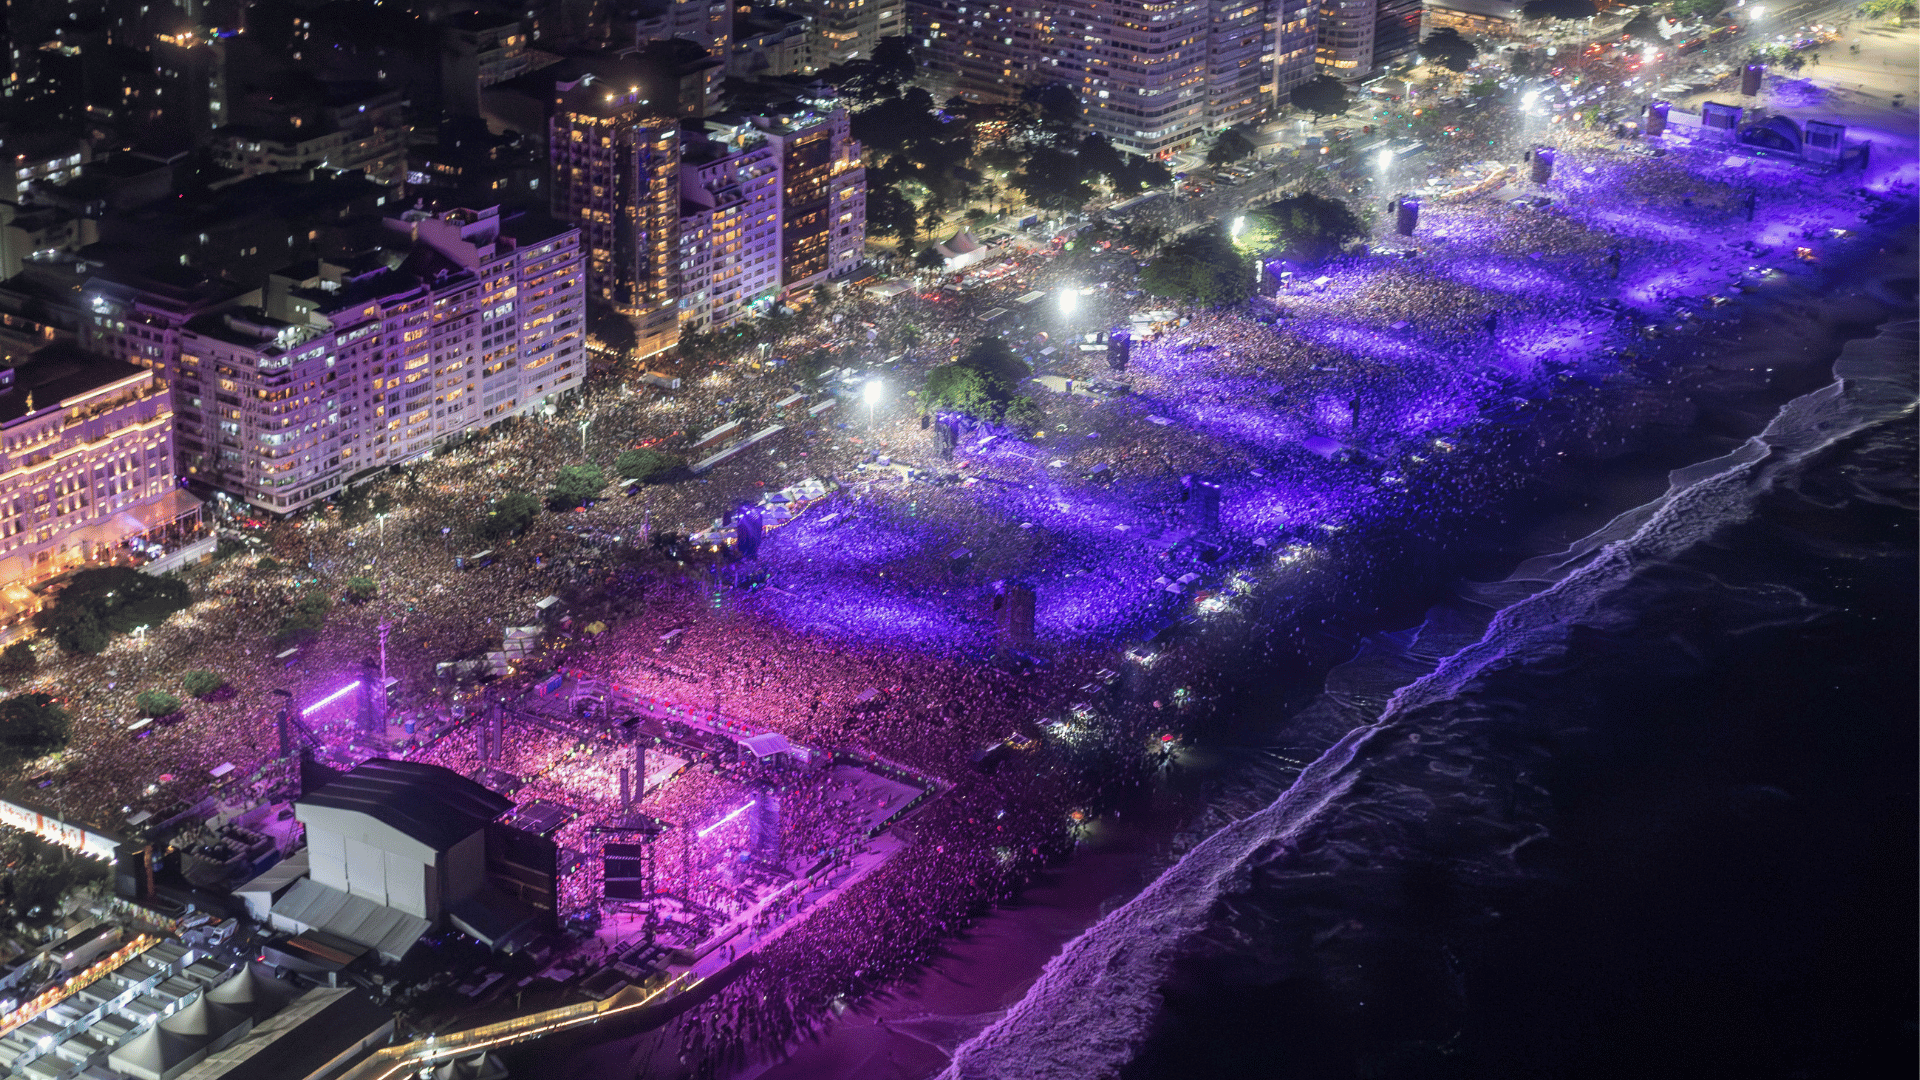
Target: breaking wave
<point>1094,1002</point>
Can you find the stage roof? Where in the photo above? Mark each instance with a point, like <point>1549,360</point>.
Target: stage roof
<point>435,806</point>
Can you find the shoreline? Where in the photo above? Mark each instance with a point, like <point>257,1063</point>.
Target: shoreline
<point>906,1023</point>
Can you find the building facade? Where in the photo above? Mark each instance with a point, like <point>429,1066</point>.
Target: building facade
<point>982,50</point>
<point>849,29</point>
<point>730,224</point>
<point>823,202</point>
<point>368,135</point>
<point>1239,61</point>
<point>1141,69</point>
<point>616,177</point>
<point>86,469</point>
<point>1345,46</point>
<point>282,394</point>
<point>1296,31</point>
<point>478,52</point>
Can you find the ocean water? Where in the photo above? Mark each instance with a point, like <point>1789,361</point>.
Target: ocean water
<point>1646,807</point>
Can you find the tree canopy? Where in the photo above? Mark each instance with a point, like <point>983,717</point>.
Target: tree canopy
<point>156,703</point>
<point>575,485</point>
<point>1322,97</point>
<point>982,384</point>
<point>99,603</point>
<point>1307,227</point>
<point>1231,145</point>
<point>646,466</point>
<point>510,515</point>
<point>31,725</point>
<point>201,682</point>
<point>610,328</point>
<point>17,663</point>
<point>1898,10</point>
<point>1201,267</point>
<point>1447,48</point>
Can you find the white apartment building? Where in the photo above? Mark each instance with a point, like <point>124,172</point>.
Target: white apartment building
<point>342,369</point>
<point>1345,49</point>
<point>729,225</point>
<point>982,50</point>
<point>1141,68</point>
<point>1296,31</point>
<point>1239,61</point>
<point>823,205</point>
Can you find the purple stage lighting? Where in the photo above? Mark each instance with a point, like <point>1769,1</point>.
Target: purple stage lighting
<point>331,698</point>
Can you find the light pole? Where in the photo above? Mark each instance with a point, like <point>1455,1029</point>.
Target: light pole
<point>584,425</point>
<point>871,392</point>
<point>382,518</point>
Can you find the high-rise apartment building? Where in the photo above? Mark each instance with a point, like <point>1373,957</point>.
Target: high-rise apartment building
<point>282,394</point>
<point>1345,47</point>
<point>1396,29</point>
<point>730,223</point>
<point>823,189</point>
<point>1239,61</point>
<point>849,29</point>
<point>478,51</point>
<point>1296,25</point>
<point>616,176</point>
<point>86,470</point>
<point>982,50</point>
<point>1140,67</point>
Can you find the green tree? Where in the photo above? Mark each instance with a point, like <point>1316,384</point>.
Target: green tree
<point>1025,414</point>
<point>1897,10</point>
<point>646,466</point>
<point>510,516</point>
<point>575,485</point>
<point>96,604</point>
<point>156,703</point>
<point>361,589</point>
<point>303,623</point>
<point>31,725</point>
<point>200,682</point>
<point>1231,145</point>
<point>1698,9</point>
<point>1447,48</point>
<point>267,563</point>
<point>1053,179</point>
<point>1308,228</point>
<point>17,663</point>
<point>994,360</point>
<point>893,58</point>
<point>1201,267</point>
<point>954,388</point>
<point>1321,97</point>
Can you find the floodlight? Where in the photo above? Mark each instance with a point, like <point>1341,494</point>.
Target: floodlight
<point>1069,299</point>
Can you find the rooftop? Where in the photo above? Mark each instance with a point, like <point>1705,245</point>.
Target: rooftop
<point>58,372</point>
<point>435,806</point>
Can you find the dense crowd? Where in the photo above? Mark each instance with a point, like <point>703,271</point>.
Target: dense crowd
<point>1339,418</point>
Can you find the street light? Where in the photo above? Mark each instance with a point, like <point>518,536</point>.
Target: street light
<point>1069,299</point>
<point>1384,160</point>
<point>871,392</point>
<point>383,535</point>
<point>584,425</point>
<point>1239,226</point>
